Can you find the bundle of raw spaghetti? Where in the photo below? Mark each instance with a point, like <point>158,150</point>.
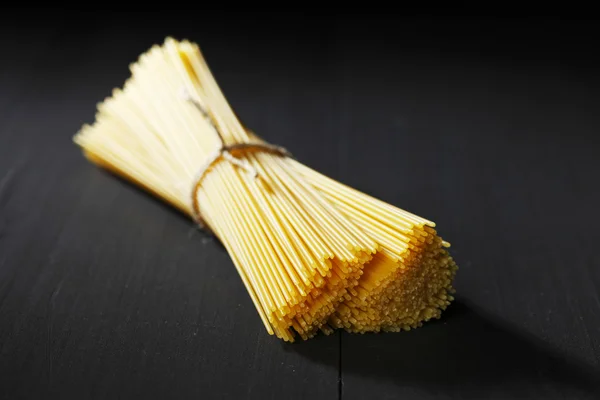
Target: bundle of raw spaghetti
<point>312,253</point>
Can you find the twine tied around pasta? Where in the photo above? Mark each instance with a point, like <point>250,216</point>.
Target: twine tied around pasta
<point>225,152</point>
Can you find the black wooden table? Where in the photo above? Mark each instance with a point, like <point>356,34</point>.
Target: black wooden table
<point>488,127</point>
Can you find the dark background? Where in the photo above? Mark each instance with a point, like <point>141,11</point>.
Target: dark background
<point>487,126</point>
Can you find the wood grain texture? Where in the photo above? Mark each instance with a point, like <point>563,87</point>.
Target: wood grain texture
<point>489,128</point>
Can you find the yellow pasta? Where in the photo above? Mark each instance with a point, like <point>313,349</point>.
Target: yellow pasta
<point>313,254</point>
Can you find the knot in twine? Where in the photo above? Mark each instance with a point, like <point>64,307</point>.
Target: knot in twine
<point>225,152</point>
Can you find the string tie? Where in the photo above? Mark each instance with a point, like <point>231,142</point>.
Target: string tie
<point>227,153</point>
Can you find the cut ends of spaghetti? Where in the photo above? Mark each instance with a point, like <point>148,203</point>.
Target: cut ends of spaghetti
<point>314,254</point>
